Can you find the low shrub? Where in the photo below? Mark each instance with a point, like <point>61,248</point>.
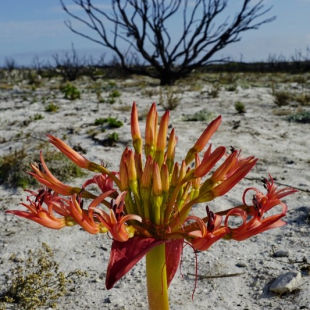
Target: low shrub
<point>37,281</point>
<point>110,121</point>
<point>13,168</point>
<point>70,92</point>
<point>300,117</point>
<point>200,116</point>
<point>51,107</point>
<point>239,106</point>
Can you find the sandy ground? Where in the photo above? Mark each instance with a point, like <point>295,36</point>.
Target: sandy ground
<point>283,151</point>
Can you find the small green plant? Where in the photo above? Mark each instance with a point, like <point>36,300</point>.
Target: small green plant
<point>110,121</point>
<point>239,106</point>
<point>300,117</point>
<point>51,107</point>
<point>37,281</point>
<point>200,116</point>
<point>111,100</point>
<point>110,140</point>
<point>36,117</point>
<point>114,137</point>
<point>231,88</point>
<point>114,93</point>
<point>70,92</point>
<point>111,83</point>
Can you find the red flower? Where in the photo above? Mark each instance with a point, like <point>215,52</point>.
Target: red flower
<point>38,213</point>
<point>260,205</point>
<point>146,206</point>
<point>208,234</point>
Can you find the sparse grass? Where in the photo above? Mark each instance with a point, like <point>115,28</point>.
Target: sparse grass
<point>240,107</point>
<point>114,137</point>
<point>123,108</point>
<point>52,108</point>
<point>70,92</point>
<point>114,93</point>
<point>228,78</point>
<point>12,170</point>
<point>282,98</point>
<point>5,86</point>
<point>110,140</point>
<point>14,167</point>
<point>231,88</point>
<point>195,87</point>
<point>36,117</point>
<point>111,100</point>
<point>281,112</point>
<point>169,99</point>
<point>110,121</point>
<point>300,117</point>
<point>37,281</point>
<point>200,116</point>
<point>214,91</point>
<point>303,99</point>
<point>149,92</point>
<point>111,84</point>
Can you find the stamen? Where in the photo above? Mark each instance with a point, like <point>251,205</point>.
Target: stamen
<point>232,149</point>
<point>257,205</point>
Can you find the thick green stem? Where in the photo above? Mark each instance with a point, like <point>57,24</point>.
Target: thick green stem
<point>156,276</point>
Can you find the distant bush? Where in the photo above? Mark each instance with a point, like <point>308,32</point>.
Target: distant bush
<point>239,106</point>
<point>114,93</point>
<point>14,167</point>
<point>200,116</point>
<point>168,98</point>
<point>282,98</point>
<point>214,91</point>
<point>37,281</point>
<point>110,121</point>
<point>70,91</point>
<point>36,117</point>
<point>51,107</point>
<point>300,117</point>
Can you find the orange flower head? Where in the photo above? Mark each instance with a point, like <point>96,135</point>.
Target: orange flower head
<point>149,201</point>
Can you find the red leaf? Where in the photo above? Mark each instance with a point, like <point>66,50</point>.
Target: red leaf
<point>124,255</point>
<point>173,255</point>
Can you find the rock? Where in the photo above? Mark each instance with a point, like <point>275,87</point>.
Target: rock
<point>286,283</point>
<point>282,253</point>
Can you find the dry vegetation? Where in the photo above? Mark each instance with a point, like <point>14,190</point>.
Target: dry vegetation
<point>40,273</point>
<point>36,281</point>
<point>291,99</point>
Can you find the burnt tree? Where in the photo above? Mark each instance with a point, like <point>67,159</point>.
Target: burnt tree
<point>139,32</point>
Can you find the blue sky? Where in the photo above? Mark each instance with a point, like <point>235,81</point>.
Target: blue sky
<point>36,27</point>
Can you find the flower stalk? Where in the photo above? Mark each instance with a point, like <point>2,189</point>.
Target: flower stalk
<point>156,275</point>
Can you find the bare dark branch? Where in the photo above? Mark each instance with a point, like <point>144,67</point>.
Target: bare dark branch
<point>139,32</point>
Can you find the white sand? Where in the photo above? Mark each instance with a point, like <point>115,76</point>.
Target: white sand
<point>283,150</point>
